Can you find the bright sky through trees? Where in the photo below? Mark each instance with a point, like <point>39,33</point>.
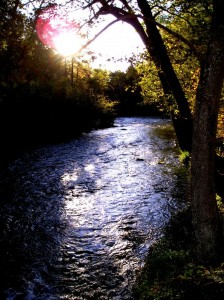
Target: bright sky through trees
<point>109,50</point>
<point>119,41</point>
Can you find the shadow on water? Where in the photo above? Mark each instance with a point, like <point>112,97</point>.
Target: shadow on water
<point>78,218</point>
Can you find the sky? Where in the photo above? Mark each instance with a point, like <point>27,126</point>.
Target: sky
<point>118,41</point>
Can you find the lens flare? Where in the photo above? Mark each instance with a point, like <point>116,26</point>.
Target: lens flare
<point>58,32</point>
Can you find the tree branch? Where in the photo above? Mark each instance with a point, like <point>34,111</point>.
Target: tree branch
<point>132,19</point>
<point>98,34</point>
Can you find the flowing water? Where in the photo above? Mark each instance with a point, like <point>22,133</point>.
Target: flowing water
<point>78,218</point>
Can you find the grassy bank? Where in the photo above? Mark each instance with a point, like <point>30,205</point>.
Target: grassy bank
<point>170,271</point>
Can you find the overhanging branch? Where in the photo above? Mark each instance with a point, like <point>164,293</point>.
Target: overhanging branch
<point>98,34</point>
<point>132,19</point>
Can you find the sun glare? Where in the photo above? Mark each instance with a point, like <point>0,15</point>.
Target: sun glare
<point>62,33</point>
<point>59,33</point>
<point>67,43</point>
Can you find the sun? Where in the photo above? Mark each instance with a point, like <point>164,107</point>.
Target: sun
<point>67,43</point>
<point>58,32</point>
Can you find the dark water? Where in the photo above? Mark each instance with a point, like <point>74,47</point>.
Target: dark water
<point>83,214</point>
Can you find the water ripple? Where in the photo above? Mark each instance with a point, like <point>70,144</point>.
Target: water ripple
<point>79,217</point>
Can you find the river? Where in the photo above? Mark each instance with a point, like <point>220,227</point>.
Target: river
<point>78,218</point>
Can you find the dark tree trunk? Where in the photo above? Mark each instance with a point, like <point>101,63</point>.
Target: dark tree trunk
<point>158,52</point>
<point>184,130</point>
<point>204,205</point>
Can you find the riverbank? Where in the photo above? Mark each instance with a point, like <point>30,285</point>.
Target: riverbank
<point>170,271</point>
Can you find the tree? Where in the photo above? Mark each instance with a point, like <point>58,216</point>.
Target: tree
<point>205,211</point>
<point>151,37</point>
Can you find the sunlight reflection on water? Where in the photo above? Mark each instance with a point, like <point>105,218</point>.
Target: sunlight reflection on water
<point>114,190</point>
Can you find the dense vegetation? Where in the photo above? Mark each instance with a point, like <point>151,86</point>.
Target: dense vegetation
<point>38,101</point>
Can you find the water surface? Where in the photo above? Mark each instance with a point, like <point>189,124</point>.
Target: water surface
<point>83,214</point>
